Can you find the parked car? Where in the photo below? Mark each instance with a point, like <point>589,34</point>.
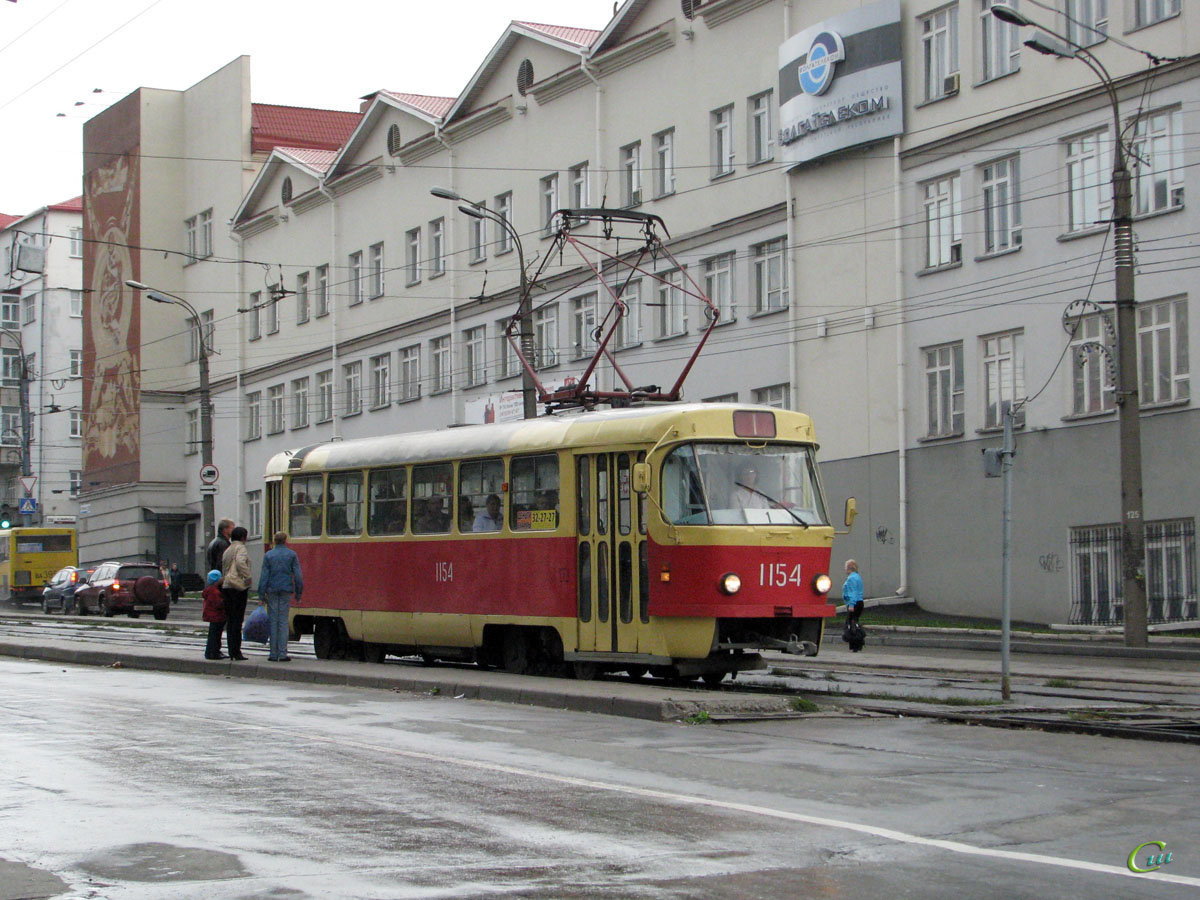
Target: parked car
<point>59,592</point>
<point>130,588</point>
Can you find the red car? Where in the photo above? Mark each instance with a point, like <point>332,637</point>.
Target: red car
<point>117,587</point>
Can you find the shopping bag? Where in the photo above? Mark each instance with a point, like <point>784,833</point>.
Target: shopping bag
<point>257,627</point>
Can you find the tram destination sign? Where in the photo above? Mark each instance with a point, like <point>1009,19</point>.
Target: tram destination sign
<point>840,83</point>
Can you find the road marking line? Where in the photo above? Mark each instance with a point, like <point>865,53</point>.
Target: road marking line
<point>752,809</point>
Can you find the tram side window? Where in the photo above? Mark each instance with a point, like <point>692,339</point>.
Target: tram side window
<point>431,498</point>
<point>344,503</point>
<point>389,501</point>
<point>682,490</point>
<point>534,482</point>
<point>480,497</point>
<point>304,506</point>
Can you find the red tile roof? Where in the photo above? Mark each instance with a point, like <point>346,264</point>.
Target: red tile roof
<point>434,106</point>
<point>295,126</point>
<point>73,205</point>
<point>318,160</point>
<point>580,37</point>
<point>6,220</point>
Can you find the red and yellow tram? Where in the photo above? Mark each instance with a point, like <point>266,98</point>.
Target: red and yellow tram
<point>677,539</point>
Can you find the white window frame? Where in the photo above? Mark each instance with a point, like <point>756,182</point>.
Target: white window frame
<point>254,513</point>
<point>474,345</point>
<point>548,194</point>
<point>381,381</point>
<point>721,124</point>
<point>631,174</point>
<point>10,311</point>
<point>192,429</point>
<point>275,402</point>
<point>943,221</point>
<point>1087,21</point>
<point>437,248</point>
<point>1003,359</point>
<point>302,309</point>
<point>324,392</point>
<point>75,369</point>
<point>412,256</point>
<point>629,331</point>
<point>356,278</point>
<point>441,364</point>
<point>775,395</point>
<point>945,413</point>
<point>1089,179</point>
<point>718,285</point>
<point>206,234</point>
<point>478,228</point>
<point>1150,12</point>
<point>322,298</point>
<point>504,209</point>
<point>1157,162</point>
<point>1162,331</point>
<point>771,289</point>
<point>545,336</point>
<point>1001,204</point>
<point>76,301</point>
<point>376,271</point>
<point>28,308</point>
<point>760,136</point>
<point>409,387</point>
<point>253,415</point>
<point>580,193</point>
<point>672,304</point>
<point>1092,389</point>
<point>255,310</point>
<point>509,361</point>
<point>76,243</point>
<point>75,426</point>
<point>272,308</point>
<point>352,388</point>
<point>75,480</point>
<point>583,324</point>
<point>300,403</point>
<point>939,53</point>
<point>664,163</point>
<point>1000,42</point>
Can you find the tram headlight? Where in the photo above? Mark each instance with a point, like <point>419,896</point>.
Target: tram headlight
<point>731,583</point>
<point>822,583</point>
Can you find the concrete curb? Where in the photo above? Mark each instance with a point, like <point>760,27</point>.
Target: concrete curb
<point>1062,646</point>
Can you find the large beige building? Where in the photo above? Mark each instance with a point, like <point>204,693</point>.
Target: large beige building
<point>888,235</point>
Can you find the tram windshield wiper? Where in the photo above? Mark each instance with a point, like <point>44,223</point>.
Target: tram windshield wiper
<point>775,504</point>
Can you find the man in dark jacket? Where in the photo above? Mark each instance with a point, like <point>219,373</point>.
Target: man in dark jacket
<point>219,545</point>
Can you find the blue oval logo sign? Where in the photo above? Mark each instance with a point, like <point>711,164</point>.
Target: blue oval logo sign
<point>816,74</point>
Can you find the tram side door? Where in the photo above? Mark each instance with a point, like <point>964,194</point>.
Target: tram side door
<point>611,554</point>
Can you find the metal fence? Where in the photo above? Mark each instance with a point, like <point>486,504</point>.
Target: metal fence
<point>1096,589</point>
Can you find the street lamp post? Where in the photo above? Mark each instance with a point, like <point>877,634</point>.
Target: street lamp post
<point>479,211</point>
<point>206,435</point>
<point>1133,530</point>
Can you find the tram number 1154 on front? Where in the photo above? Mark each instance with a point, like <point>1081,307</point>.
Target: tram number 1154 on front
<point>778,575</point>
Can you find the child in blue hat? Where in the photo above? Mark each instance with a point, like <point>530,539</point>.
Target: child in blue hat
<point>213,613</point>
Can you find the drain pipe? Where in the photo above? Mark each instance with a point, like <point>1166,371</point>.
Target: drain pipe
<point>448,244</point>
<point>331,304</point>
<point>901,390</point>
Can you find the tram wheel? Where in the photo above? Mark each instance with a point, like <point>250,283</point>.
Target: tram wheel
<point>516,651</point>
<point>326,638</point>
<point>374,653</point>
<point>585,671</point>
<point>637,673</point>
<point>712,679</point>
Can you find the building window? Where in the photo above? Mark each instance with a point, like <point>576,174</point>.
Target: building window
<point>439,355</point>
<point>1157,163</point>
<point>300,403</point>
<point>253,415</point>
<point>777,395</point>
<point>412,255</point>
<point>206,233</point>
<point>718,284</point>
<point>1150,11</point>
<point>762,138</point>
<point>325,395</point>
<point>322,299</point>
<point>410,373</point>
<point>504,241</point>
<point>10,366</point>
<point>272,309</point>
<point>10,425</point>
<point>549,195</point>
<point>1087,21</point>
<point>1002,205</point>
<point>1163,351</point>
<point>1092,389</point>
<point>76,246</point>
<point>545,337</point>
<point>770,276</point>
<point>1097,589</point>
<point>28,309</point>
<point>474,355</point>
<point>437,247</point>
<point>672,305</point>
<point>381,380</point>
<point>76,364</point>
<point>356,278</point>
<point>76,422</point>
<point>629,330</point>
<point>301,298</point>
<point>722,141</point>
<point>192,237</point>
<point>580,198</point>
<point>352,386</point>
<point>376,276</point>
<point>10,316</point>
<point>1089,185</point>
<point>943,222</point>
<point>76,481</point>
<point>478,237</point>
<point>510,363</point>
<point>76,300</point>
<point>631,174</point>
<point>939,51</point>
<point>1003,378</point>
<point>583,327</point>
<point>254,513</point>
<point>275,409</point>
<point>664,163</point>
<point>199,235</point>
<point>722,398</point>
<point>1000,41</point>
<point>255,311</point>
<point>193,432</point>
<point>944,389</point>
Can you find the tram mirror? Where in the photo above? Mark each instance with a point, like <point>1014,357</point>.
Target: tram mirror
<point>641,477</point>
<point>851,512</point>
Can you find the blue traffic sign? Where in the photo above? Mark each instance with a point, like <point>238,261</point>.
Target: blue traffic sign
<point>27,505</point>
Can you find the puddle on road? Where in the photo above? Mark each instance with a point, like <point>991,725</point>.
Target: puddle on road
<point>163,862</point>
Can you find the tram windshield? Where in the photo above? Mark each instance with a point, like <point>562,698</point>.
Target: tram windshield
<point>736,484</point>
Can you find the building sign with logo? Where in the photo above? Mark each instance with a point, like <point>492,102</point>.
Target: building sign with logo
<point>840,83</point>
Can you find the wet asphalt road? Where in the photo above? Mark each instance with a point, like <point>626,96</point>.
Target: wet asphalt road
<point>126,785</point>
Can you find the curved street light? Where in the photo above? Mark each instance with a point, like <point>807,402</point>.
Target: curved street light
<point>525,310</point>
<point>206,435</point>
<point>1133,532</point>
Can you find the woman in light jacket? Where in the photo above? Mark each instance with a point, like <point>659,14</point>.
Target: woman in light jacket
<point>235,584</point>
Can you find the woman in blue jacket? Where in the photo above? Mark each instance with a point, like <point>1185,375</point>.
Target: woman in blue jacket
<point>278,581</point>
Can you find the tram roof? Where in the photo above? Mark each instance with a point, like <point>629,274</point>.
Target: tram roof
<point>608,427</point>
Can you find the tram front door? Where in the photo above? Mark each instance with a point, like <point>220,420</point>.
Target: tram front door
<point>611,554</point>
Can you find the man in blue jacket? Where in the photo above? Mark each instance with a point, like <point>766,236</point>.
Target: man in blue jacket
<point>278,581</point>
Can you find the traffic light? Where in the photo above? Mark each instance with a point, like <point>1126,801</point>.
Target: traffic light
<point>5,516</point>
